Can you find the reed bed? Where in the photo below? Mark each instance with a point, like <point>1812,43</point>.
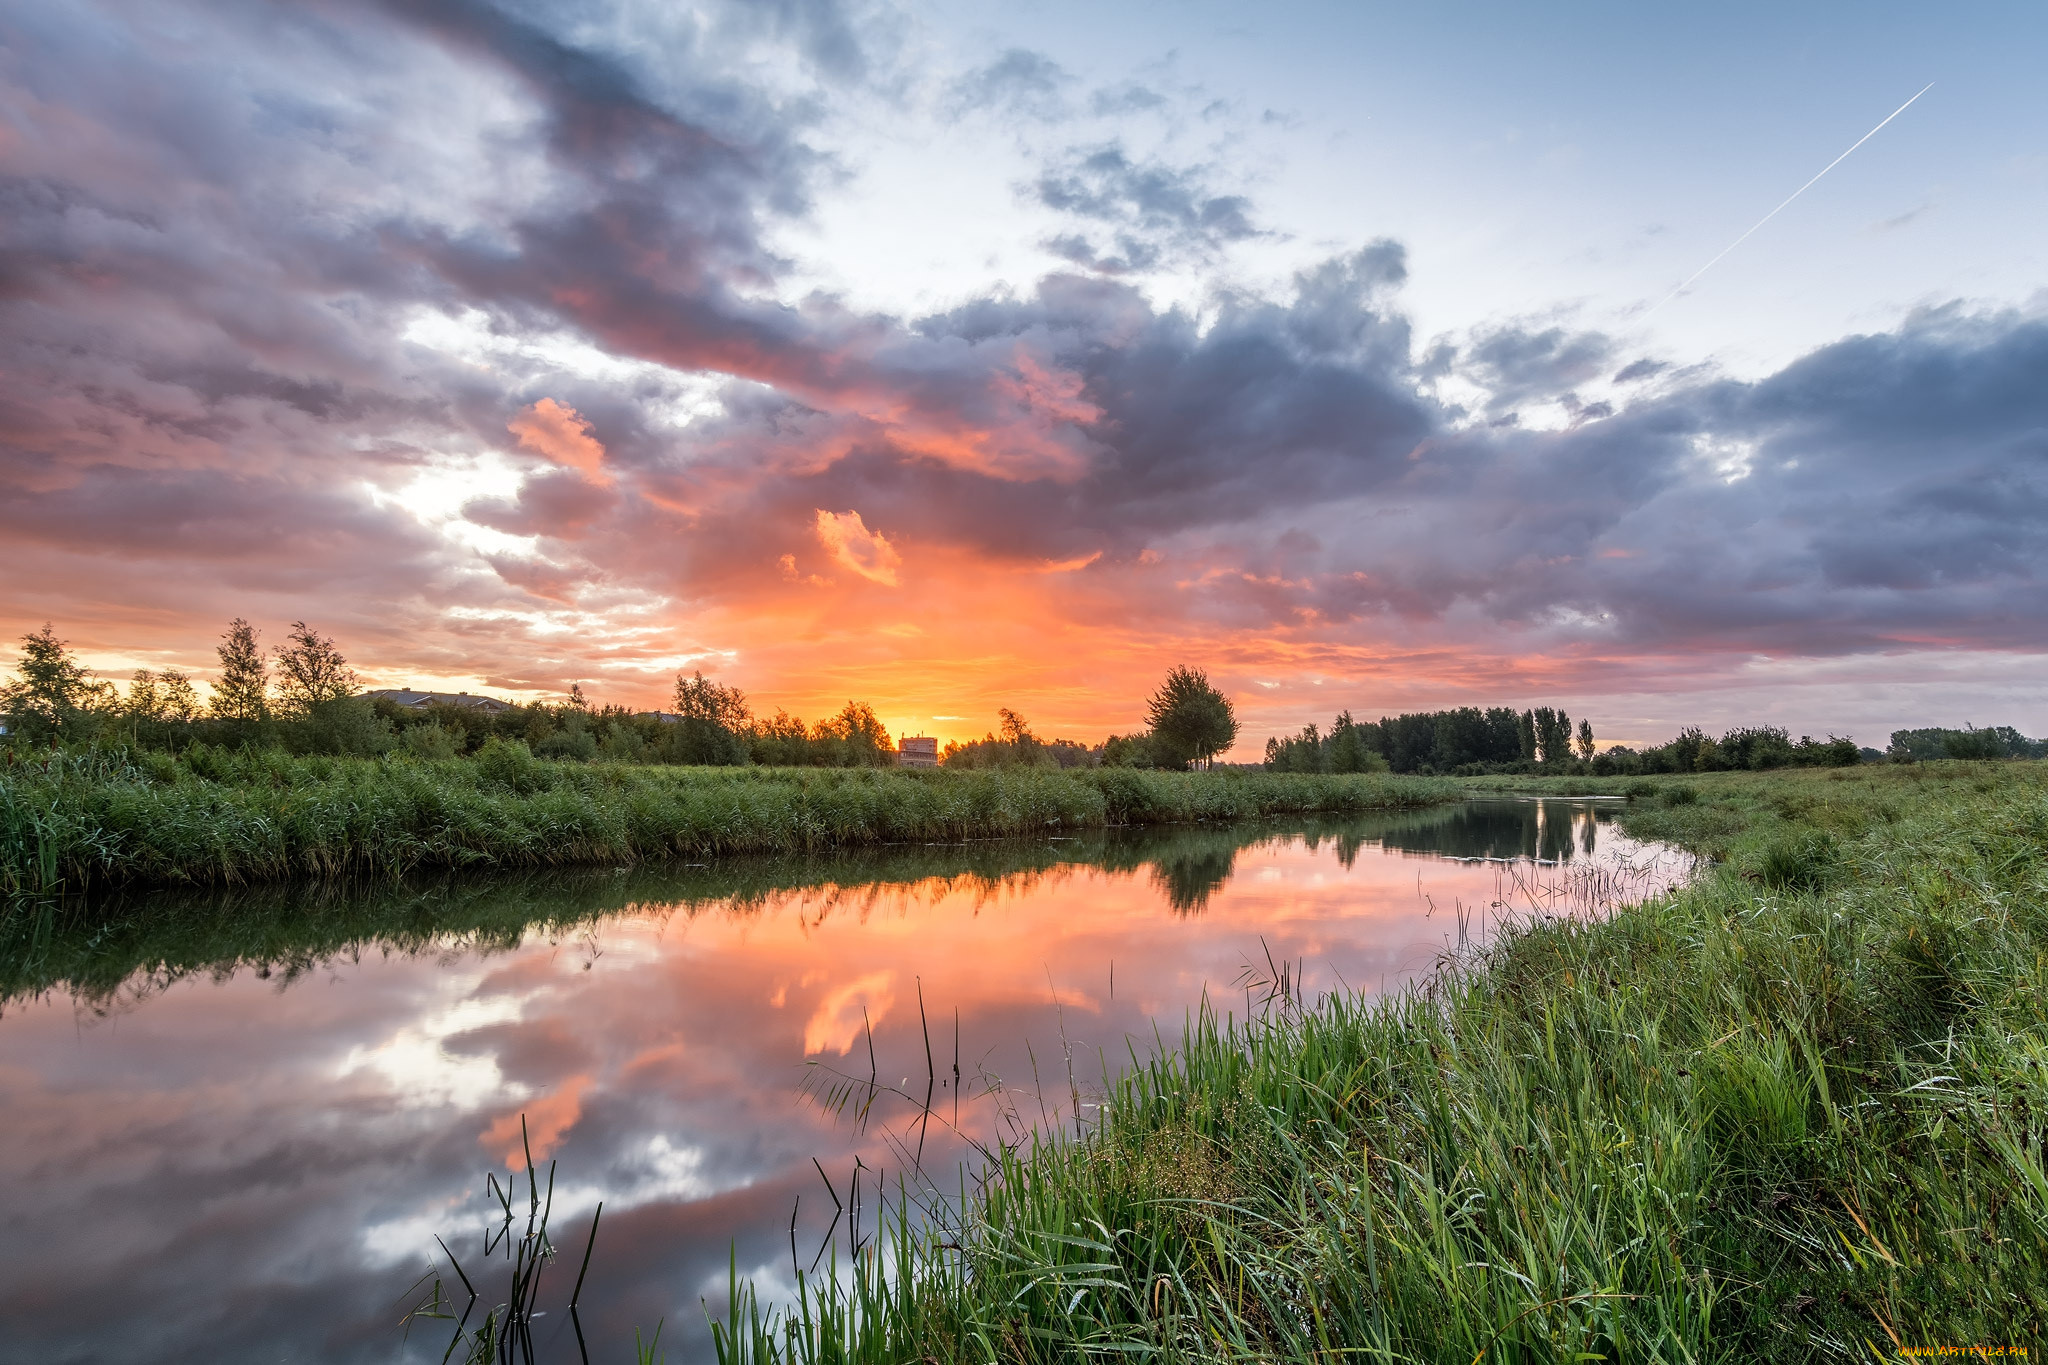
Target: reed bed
<point>79,822</point>
<point>1791,1111</point>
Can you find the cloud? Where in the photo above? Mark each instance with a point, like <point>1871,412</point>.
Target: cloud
<point>233,254</point>
<point>562,435</point>
<point>848,540</point>
<point>1518,366</point>
<point>1154,211</point>
<point>1019,81</point>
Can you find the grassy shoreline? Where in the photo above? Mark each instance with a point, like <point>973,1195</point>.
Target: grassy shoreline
<point>1794,1111</point>
<point>75,823</point>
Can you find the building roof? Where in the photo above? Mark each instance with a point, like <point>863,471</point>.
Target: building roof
<point>406,696</point>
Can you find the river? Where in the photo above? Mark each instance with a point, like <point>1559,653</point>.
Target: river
<point>234,1125</point>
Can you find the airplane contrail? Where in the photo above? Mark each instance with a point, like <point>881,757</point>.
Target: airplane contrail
<point>1788,199</point>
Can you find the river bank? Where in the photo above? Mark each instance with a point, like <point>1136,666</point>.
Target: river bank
<point>73,823</point>
<point>1792,1111</point>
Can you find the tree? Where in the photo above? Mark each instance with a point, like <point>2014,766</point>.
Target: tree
<point>1525,734</point>
<point>161,696</point>
<point>1016,730</point>
<point>865,743</point>
<point>1348,750</point>
<point>243,692</point>
<point>1191,719</point>
<point>697,698</point>
<point>310,670</point>
<point>51,690</point>
<point>1553,735</point>
<point>1586,741</point>
<point>176,696</point>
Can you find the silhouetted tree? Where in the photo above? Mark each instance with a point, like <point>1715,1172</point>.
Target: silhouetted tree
<point>310,670</point>
<point>161,696</point>
<point>697,698</point>
<point>1191,719</point>
<point>863,741</point>
<point>51,691</point>
<point>243,692</point>
<point>1585,741</point>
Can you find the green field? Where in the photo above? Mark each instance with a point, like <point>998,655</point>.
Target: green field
<point>79,822</point>
<point>1791,1112</point>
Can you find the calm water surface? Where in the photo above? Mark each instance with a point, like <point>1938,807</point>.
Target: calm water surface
<point>235,1125</point>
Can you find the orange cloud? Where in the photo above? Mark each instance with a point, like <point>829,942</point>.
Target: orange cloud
<point>868,553</point>
<point>846,1013</point>
<point>546,1118</point>
<point>559,433</point>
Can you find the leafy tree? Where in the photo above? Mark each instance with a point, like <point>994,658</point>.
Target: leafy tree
<point>165,696</point>
<point>1016,730</point>
<point>1192,720</point>
<point>51,691</point>
<point>243,692</point>
<point>144,700</point>
<point>310,670</point>
<point>697,698</point>
<point>177,697</point>
<point>1553,735</point>
<point>1525,734</point>
<point>1349,752</point>
<point>577,701</point>
<point>857,737</point>
<point>781,741</point>
<point>1132,751</point>
<point>1585,741</point>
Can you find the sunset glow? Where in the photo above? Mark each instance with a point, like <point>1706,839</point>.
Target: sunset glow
<point>950,364</point>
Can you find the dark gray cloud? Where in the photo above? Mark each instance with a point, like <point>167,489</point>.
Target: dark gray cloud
<point>1518,366</point>
<point>1150,211</point>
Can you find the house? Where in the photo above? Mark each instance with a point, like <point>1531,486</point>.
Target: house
<point>407,697</point>
<point>917,751</point>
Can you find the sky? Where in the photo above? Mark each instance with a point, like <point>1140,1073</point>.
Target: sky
<point>953,357</point>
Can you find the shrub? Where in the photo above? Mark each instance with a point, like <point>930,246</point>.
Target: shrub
<point>431,741</point>
<point>576,744</point>
<point>509,764</point>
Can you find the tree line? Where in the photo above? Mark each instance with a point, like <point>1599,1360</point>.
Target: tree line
<point>1464,741</point>
<point>1188,723</point>
<point>302,696</point>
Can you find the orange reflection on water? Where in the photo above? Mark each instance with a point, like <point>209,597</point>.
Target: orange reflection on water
<point>306,1143</point>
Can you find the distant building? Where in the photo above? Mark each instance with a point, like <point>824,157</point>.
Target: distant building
<point>405,696</point>
<point>917,751</point>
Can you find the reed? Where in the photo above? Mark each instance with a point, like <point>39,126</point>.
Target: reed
<point>73,823</point>
<point>1793,1111</point>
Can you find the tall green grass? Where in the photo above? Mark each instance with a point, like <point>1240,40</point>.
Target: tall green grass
<point>1792,1112</point>
<point>76,822</point>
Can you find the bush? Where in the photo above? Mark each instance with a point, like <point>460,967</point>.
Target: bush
<point>346,726</point>
<point>576,744</point>
<point>431,741</point>
<point>508,764</point>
